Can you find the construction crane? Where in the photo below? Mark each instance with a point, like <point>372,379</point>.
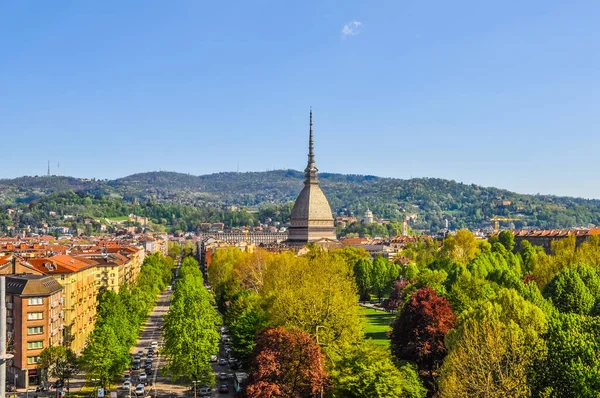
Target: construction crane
<point>496,220</point>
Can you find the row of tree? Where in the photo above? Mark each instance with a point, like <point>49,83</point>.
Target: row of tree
<point>295,324</point>
<point>191,327</point>
<point>119,318</point>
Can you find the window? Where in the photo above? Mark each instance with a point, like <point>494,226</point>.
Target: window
<point>112,275</point>
<point>32,360</point>
<point>33,316</point>
<point>34,345</point>
<point>97,275</point>
<point>35,330</point>
<point>36,301</point>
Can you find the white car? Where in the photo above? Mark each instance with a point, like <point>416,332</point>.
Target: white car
<point>154,345</point>
<point>204,391</point>
<point>223,376</point>
<point>139,390</point>
<point>143,376</point>
<point>126,385</point>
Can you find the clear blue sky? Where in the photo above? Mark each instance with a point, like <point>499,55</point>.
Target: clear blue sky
<point>498,93</point>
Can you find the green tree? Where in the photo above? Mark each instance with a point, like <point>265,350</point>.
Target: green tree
<point>569,293</point>
<point>363,270</point>
<point>380,275</point>
<point>60,361</point>
<point>367,370</point>
<point>507,239</point>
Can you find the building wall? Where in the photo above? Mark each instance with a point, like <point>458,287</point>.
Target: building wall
<point>18,309</point>
<point>80,306</point>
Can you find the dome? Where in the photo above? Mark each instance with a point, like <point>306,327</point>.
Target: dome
<point>311,205</point>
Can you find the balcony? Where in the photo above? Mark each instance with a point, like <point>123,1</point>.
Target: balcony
<point>9,306</point>
<point>9,319</point>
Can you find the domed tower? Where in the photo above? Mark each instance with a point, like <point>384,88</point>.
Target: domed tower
<point>311,216</point>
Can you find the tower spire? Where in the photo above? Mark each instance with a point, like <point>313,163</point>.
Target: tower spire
<point>311,169</point>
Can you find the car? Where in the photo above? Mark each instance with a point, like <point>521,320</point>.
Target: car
<point>148,371</point>
<point>126,385</point>
<point>135,365</point>
<point>140,390</point>
<point>137,358</point>
<point>223,376</point>
<point>143,376</point>
<point>148,362</point>
<point>154,345</point>
<point>222,362</point>
<point>213,358</point>
<point>141,353</point>
<point>126,377</point>
<point>224,388</point>
<point>204,391</point>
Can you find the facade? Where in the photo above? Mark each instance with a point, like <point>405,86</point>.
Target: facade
<point>545,238</point>
<point>34,307</point>
<point>78,277</point>
<point>368,217</point>
<point>311,219</point>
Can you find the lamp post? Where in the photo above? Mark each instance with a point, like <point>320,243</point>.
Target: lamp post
<point>195,382</point>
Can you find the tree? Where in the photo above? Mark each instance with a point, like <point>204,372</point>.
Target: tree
<point>104,357</point>
<point>507,239</point>
<point>492,348</point>
<point>190,329</point>
<point>363,269</point>
<point>461,247</point>
<point>366,370</point>
<point>569,293</point>
<point>419,329</point>
<point>397,297</point>
<point>286,364</point>
<point>310,292</point>
<point>60,361</point>
<point>380,275</point>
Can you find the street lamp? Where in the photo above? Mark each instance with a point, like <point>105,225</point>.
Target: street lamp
<point>194,383</point>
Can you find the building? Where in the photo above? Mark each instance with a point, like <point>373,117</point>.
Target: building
<point>78,277</point>
<point>34,315</point>
<point>368,217</point>
<point>311,218</point>
<point>544,238</point>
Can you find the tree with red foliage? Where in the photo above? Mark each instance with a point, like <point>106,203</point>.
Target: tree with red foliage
<point>419,329</point>
<point>286,364</point>
<point>397,297</point>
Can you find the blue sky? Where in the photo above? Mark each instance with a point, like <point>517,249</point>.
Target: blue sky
<point>498,93</point>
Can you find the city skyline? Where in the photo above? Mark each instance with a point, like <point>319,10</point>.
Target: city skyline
<point>504,95</point>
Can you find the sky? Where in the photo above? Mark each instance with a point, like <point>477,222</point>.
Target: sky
<point>496,93</point>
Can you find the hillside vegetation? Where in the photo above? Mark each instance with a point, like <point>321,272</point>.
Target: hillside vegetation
<point>430,201</point>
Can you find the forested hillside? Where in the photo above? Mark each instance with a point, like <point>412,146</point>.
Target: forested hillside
<point>430,201</point>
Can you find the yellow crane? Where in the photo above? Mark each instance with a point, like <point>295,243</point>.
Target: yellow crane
<point>496,220</point>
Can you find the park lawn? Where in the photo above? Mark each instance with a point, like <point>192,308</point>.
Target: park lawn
<point>377,325</point>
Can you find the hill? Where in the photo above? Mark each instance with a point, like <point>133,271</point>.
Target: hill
<point>429,201</point>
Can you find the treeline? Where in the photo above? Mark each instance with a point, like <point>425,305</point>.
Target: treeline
<point>295,325</point>
<point>191,334</point>
<point>119,318</point>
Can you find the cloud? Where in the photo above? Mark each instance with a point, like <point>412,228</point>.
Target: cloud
<point>351,29</point>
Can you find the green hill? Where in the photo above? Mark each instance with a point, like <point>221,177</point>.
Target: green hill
<point>429,200</point>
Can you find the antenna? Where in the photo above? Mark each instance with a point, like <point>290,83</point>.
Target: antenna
<point>48,168</point>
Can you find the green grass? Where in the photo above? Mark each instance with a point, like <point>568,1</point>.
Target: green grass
<point>121,218</point>
<point>377,325</point>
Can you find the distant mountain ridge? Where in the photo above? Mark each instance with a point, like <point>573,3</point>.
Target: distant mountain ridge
<point>429,201</point>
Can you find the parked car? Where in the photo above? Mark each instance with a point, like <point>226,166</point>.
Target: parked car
<point>154,345</point>
<point>126,385</point>
<point>224,389</point>
<point>135,365</point>
<point>127,376</point>
<point>143,376</point>
<point>222,361</point>
<point>204,391</point>
<point>140,390</point>
<point>223,376</point>
<point>141,353</point>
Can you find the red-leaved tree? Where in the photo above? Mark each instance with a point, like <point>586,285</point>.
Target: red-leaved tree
<point>419,329</point>
<point>286,364</point>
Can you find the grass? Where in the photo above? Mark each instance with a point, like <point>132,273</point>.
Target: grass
<point>377,325</point>
<point>121,218</point>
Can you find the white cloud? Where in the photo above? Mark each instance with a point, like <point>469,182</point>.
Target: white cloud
<point>351,29</point>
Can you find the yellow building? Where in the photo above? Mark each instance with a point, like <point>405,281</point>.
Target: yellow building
<point>78,277</point>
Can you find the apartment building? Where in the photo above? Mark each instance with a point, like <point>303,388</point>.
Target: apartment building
<point>78,277</point>
<point>34,321</point>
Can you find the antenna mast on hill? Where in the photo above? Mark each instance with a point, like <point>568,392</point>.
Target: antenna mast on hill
<point>48,168</point>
